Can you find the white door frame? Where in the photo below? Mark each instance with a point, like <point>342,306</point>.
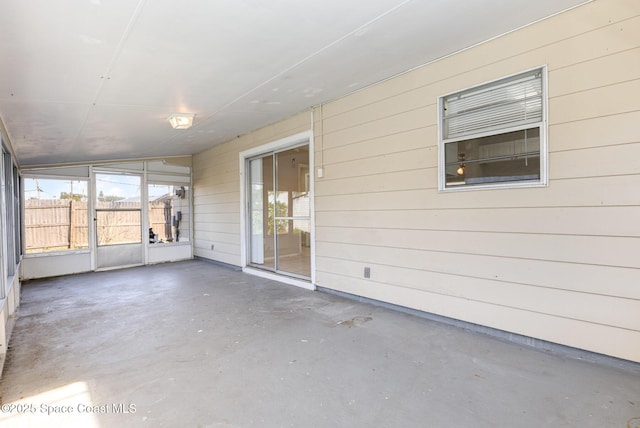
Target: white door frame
<point>93,241</point>
<point>292,140</point>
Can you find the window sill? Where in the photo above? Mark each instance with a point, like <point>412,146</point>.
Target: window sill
<point>56,253</point>
<point>165,244</point>
<point>496,186</point>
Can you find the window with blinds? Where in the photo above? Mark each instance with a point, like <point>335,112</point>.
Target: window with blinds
<point>493,134</point>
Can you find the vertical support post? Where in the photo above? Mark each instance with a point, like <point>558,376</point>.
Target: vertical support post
<point>72,225</point>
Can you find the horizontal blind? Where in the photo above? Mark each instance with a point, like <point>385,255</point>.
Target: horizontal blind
<point>498,105</point>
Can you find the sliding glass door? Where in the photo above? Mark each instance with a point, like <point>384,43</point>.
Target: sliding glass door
<point>279,212</point>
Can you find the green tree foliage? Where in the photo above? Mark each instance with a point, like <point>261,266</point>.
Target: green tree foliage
<point>75,196</point>
<point>108,198</point>
<point>281,211</point>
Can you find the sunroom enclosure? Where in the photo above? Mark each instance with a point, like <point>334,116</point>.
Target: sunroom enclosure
<point>85,218</point>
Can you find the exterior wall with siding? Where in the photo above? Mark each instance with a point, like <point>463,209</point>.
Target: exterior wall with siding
<point>559,263</point>
<point>216,190</point>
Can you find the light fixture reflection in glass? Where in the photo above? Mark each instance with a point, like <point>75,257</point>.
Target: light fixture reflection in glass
<point>181,120</point>
<point>460,169</point>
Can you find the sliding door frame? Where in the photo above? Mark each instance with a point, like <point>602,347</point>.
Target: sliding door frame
<point>292,141</point>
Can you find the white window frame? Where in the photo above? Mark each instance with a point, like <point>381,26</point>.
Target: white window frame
<point>543,125</point>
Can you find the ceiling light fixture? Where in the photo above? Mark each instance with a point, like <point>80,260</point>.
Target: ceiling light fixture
<point>181,120</point>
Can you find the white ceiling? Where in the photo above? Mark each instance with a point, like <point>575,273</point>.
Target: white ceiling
<point>87,80</point>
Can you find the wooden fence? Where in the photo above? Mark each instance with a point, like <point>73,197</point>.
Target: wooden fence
<point>60,224</point>
<point>56,224</point>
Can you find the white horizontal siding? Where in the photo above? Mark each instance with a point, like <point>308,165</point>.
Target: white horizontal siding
<point>558,263</point>
<point>587,221</point>
<point>411,190</point>
<point>594,279</point>
<point>598,250</point>
<point>216,189</point>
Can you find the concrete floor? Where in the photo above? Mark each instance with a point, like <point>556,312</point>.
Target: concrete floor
<point>193,344</point>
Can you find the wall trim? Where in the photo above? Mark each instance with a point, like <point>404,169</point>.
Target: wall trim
<point>218,263</point>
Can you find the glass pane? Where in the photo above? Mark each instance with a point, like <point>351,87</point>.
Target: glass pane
<point>278,207</point>
<point>293,247</point>
<point>293,182</point>
<point>513,156</point>
<point>10,214</point>
<point>118,209</point>
<point>55,215</point>
<point>118,227</point>
<point>117,191</point>
<point>169,213</point>
<point>278,241</point>
<point>261,220</point>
